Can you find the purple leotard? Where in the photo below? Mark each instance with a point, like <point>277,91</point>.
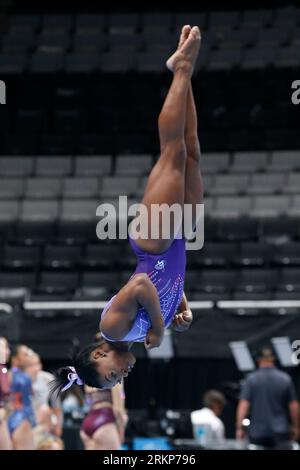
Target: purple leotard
<point>166,270</point>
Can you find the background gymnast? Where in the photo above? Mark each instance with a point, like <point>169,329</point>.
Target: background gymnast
<point>153,298</point>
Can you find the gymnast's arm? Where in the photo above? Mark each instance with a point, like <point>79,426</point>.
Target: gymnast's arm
<point>138,292</point>
<point>183,318</point>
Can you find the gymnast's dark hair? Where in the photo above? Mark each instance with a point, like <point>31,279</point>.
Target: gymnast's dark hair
<point>85,368</point>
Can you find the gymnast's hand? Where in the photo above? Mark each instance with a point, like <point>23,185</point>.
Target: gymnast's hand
<point>153,338</point>
<point>182,321</point>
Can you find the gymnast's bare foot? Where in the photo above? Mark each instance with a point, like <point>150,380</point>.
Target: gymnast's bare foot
<point>187,52</point>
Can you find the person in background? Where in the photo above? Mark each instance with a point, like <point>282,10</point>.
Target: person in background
<point>47,410</point>
<point>104,426</point>
<point>22,419</point>
<point>5,441</point>
<point>269,398</point>
<point>207,425</point>
<point>49,442</point>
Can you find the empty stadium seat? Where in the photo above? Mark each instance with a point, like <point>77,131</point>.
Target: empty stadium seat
<point>237,229</point>
<point>82,62</point>
<point>119,185</point>
<point>52,20</point>
<point>294,208</point>
<point>43,188</point>
<point>216,280</point>
<point>282,160</point>
<point>100,255</point>
<point>78,188</point>
<point>287,57</point>
<point>267,183</point>
<point>133,164</point>
<point>89,41</point>
<point>9,210</point>
<point>57,282</point>
<point>270,206</point>
<point>228,19</point>
<point>12,188</point>
<point>90,21</point>
<point>225,58</point>
<point>215,254</point>
<point>110,280</point>
<point>292,183</point>
<point>54,38</point>
<point>16,166</point>
<point>118,61</point>
<point>61,257</point>
<point>21,257</point>
<point>17,279</point>
<point>259,57</point>
<point>93,166</point>
<point>13,63</point>
<point>229,207</point>
<point>128,22</point>
<point>253,254</point>
<point>49,60</point>
<point>151,62</point>
<point>256,280</point>
<point>249,162</point>
<point>39,210</point>
<point>157,20</point>
<point>25,20</point>
<point>18,41</point>
<point>53,166</point>
<point>229,184</point>
<point>287,254</point>
<point>214,162</point>
<point>278,230</point>
<point>289,280</point>
<point>81,210</point>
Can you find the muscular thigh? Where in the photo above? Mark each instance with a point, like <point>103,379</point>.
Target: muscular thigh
<point>172,159</point>
<point>107,437</point>
<point>165,185</point>
<point>23,437</point>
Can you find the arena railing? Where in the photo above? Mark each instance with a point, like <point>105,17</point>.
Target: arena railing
<point>283,306</point>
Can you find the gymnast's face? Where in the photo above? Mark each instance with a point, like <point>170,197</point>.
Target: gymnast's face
<point>113,364</point>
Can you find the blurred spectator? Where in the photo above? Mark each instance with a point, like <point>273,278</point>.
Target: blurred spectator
<point>22,419</point>
<point>207,425</point>
<point>49,442</point>
<point>269,396</point>
<point>19,357</point>
<point>47,410</point>
<point>104,426</point>
<point>73,402</point>
<point>5,441</point>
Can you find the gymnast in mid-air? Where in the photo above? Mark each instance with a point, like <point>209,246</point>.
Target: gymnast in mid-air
<point>153,298</point>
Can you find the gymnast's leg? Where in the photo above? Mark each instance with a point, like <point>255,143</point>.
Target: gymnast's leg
<point>166,183</point>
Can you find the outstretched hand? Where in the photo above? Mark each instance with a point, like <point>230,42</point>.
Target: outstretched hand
<point>182,321</point>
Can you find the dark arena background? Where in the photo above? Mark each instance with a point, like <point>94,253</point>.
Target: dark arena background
<point>84,87</point>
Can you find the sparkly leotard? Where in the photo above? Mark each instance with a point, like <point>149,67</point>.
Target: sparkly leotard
<point>21,399</point>
<point>166,270</point>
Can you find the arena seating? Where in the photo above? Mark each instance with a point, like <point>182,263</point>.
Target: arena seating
<point>70,141</point>
<point>252,39</point>
<point>259,190</point>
